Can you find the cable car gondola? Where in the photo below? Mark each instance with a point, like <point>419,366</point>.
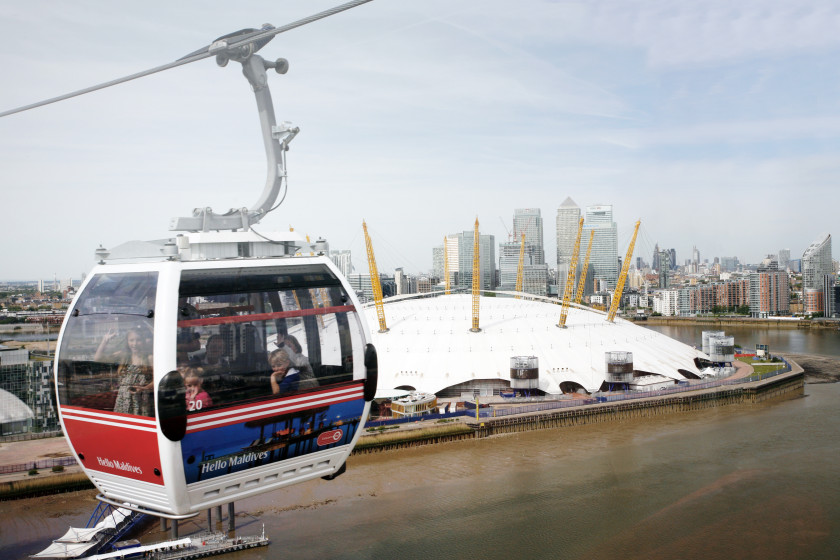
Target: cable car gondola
<point>221,363</point>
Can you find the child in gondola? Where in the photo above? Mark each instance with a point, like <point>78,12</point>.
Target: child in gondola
<point>197,397</point>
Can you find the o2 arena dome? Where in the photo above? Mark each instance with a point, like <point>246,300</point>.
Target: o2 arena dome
<point>429,346</point>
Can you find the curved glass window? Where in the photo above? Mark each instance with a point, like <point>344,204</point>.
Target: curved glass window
<point>249,333</point>
<point>105,359</point>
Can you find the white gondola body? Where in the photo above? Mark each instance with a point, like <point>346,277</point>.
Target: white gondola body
<point>153,449</point>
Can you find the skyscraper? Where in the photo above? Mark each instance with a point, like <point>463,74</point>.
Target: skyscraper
<point>486,258</point>
<point>437,262</point>
<point>529,222</point>
<point>343,261</point>
<point>784,259</point>
<point>451,253</point>
<point>818,276</point>
<point>453,243</point>
<point>655,258</point>
<point>604,257</point>
<point>816,262</point>
<point>664,259</point>
<point>568,217</point>
<point>509,264</point>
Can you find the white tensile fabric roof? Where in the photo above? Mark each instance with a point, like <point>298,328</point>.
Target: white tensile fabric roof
<point>65,550</point>
<point>74,535</point>
<point>12,409</point>
<point>429,345</point>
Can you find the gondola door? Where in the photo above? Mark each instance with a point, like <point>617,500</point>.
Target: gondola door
<point>105,382</point>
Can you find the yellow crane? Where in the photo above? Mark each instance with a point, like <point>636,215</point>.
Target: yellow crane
<point>625,266</point>
<point>570,279</point>
<point>476,280</point>
<point>520,271</point>
<point>582,281</point>
<point>446,266</point>
<point>374,282</point>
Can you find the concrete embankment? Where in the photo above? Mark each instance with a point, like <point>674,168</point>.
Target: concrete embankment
<point>32,487</point>
<point>787,385</point>
<point>717,323</point>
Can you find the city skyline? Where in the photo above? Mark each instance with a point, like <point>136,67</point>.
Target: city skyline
<point>715,124</point>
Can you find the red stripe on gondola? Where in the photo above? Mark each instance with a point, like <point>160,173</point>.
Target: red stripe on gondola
<point>348,387</point>
<point>269,408</point>
<point>266,316</point>
<point>126,419</point>
<point>219,419</point>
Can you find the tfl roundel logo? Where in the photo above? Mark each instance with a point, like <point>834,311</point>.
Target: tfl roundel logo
<point>329,438</point>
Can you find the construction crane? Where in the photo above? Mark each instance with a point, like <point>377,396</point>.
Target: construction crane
<point>504,225</point>
<point>446,266</point>
<point>374,282</point>
<point>520,270</point>
<point>476,281</point>
<point>625,266</point>
<point>570,279</point>
<point>582,281</point>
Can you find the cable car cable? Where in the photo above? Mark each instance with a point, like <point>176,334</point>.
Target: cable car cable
<point>215,48</point>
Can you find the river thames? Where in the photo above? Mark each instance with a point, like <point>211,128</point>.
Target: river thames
<point>746,481</point>
<point>795,341</point>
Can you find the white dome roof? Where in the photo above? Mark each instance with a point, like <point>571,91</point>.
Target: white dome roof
<point>12,409</point>
<point>430,347</point>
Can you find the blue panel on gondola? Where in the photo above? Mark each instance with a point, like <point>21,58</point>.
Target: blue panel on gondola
<point>251,439</point>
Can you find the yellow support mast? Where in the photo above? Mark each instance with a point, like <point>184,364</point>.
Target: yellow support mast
<point>582,281</point>
<point>520,271</point>
<point>625,266</point>
<point>374,282</point>
<point>446,267</point>
<point>570,279</point>
<point>476,280</point>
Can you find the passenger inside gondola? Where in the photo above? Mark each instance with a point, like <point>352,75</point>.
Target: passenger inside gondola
<point>294,350</point>
<point>188,342</point>
<point>242,314</point>
<point>285,378</point>
<point>134,372</point>
<point>197,397</point>
<point>214,354</point>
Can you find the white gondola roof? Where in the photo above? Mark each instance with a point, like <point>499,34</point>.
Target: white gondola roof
<point>429,345</point>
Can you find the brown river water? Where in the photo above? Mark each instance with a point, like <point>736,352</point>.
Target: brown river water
<point>758,481</point>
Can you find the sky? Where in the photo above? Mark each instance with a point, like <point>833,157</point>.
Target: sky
<point>715,123</point>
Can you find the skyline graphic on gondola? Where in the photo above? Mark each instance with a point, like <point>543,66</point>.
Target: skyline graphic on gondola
<point>234,448</point>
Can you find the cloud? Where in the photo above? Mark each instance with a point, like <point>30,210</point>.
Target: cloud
<point>420,116</point>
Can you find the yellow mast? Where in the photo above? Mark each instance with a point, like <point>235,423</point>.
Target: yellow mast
<point>520,271</point>
<point>570,279</point>
<point>625,266</point>
<point>446,266</point>
<point>476,280</point>
<point>582,281</point>
<point>374,281</point>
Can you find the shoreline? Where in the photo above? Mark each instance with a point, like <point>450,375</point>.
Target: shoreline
<point>20,485</point>
<point>713,322</point>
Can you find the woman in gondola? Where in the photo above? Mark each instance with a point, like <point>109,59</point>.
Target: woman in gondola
<point>134,391</point>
